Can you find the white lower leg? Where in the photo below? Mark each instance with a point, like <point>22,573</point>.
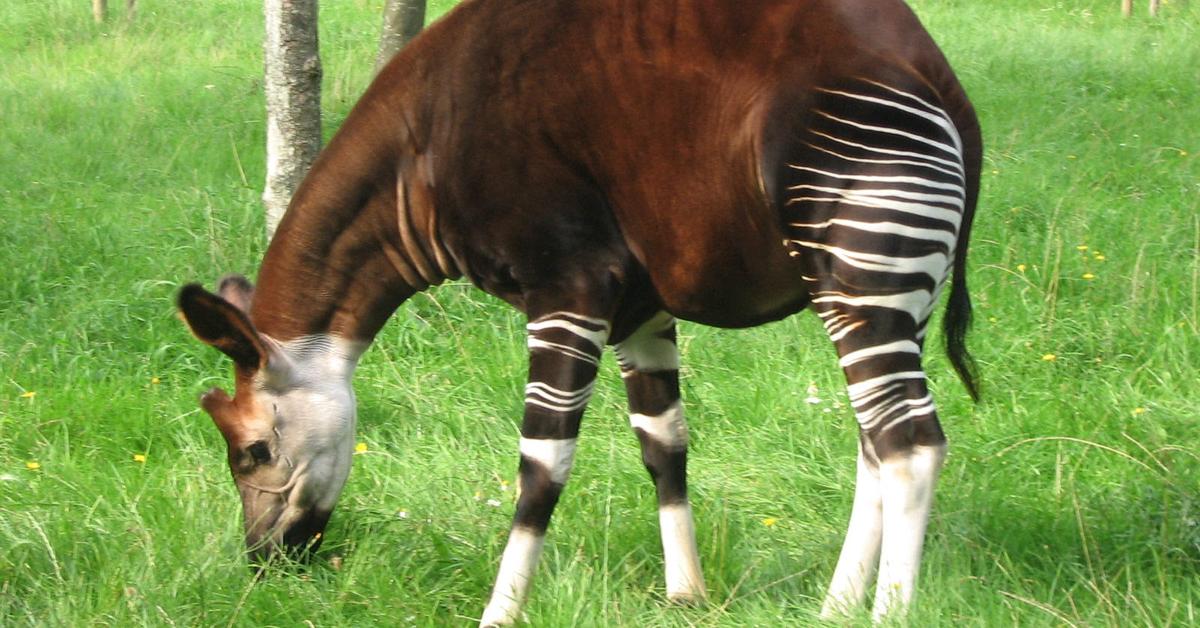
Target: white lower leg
<point>907,483</point>
<point>685,581</point>
<point>860,552</point>
<point>516,572</point>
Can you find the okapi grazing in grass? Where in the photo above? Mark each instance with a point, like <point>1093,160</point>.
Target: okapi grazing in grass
<point>608,166</point>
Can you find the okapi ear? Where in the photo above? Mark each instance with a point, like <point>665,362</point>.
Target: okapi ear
<point>237,290</point>
<point>221,324</point>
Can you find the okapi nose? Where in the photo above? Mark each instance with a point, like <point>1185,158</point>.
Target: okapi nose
<point>299,542</point>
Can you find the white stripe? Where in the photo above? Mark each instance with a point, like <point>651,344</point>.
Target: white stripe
<point>668,429</point>
<point>567,350</point>
<point>556,455</point>
<point>940,236</point>
<point>931,264</point>
<point>890,131</point>
<point>854,197</point>
<point>955,165</point>
<point>836,336</point>
<point>910,303</point>
<point>899,346</point>
<point>557,400</point>
<point>886,193</point>
<point>921,181</point>
<point>884,162</point>
<point>936,109</point>
<point>560,320</point>
<point>912,408</point>
<point>939,117</point>
<point>857,389</point>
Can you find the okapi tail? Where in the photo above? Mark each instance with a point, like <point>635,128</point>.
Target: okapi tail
<point>957,320</point>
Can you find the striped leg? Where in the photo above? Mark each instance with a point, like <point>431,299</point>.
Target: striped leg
<point>564,354</point>
<point>901,448</point>
<point>650,367</point>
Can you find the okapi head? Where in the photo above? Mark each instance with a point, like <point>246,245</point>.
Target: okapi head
<point>289,426</point>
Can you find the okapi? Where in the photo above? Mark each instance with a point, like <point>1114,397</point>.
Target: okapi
<point>607,167</point>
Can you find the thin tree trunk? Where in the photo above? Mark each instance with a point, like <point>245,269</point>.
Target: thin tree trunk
<point>1126,7</point>
<point>1154,8</point>
<point>402,20</point>
<point>130,10</point>
<point>99,10</point>
<point>293,90</point>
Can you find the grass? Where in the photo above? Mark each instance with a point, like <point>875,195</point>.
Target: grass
<point>131,162</point>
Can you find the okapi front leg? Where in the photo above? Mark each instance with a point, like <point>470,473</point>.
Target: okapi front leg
<point>901,448</point>
<point>650,368</point>
<point>564,355</point>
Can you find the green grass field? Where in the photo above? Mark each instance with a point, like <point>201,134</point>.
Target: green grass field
<point>131,160</point>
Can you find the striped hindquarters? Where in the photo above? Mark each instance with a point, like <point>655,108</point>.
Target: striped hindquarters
<point>876,201</point>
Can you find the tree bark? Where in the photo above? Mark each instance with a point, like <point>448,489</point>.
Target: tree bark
<point>402,20</point>
<point>293,90</point>
<point>99,10</point>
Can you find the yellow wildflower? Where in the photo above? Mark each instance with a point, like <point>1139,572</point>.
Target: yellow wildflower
<point>139,457</point>
<point>1088,276</point>
<point>1049,357</point>
<point>770,521</point>
<point>1081,247</point>
<point>32,465</point>
<point>1021,268</point>
<point>360,448</point>
<point>1099,257</point>
<point>28,394</point>
<point>1139,410</point>
<point>155,380</point>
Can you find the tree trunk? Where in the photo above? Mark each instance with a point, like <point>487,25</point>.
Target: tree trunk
<point>1126,7</point>
<point>293,90</point>
<point>99,10</point>
<point>402,20</point>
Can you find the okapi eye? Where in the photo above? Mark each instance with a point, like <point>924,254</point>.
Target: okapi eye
<point>260,452</point>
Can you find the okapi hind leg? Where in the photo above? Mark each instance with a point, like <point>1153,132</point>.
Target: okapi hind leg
<point>901,449</point>
<point>649,362</point>
<point>564,355</point>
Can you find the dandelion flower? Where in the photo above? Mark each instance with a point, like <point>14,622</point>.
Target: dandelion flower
<point>770,521</point>
<point>1021,268</point>
<point>360,448</point>
<point>1049,357</point>
<point>1081,247</point>
<point>1099,257</point>
<point>1139,410</point>
<point>32,465</point>
<point>155,380</point>
<point>1088,276</point>
<point>28,394</point>
<point>139,457</point>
